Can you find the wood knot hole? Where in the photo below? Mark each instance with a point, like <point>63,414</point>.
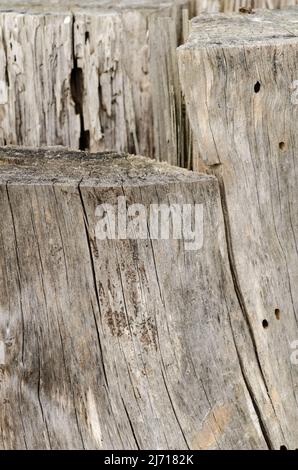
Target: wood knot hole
<point>257,87</point>
<point>277,314</point>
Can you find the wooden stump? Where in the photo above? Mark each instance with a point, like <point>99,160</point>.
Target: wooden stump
<point>100,76</point>
<point>242,6</point>
<point>120,344</point>
<point>225,6</point>
<point>239,74</point>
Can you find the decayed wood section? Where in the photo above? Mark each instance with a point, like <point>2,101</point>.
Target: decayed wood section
<point>239,76</point>
<point>124,343</point>
<point>99,76</point>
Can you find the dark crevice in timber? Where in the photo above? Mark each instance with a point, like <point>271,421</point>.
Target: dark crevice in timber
<point>215,166</point>
<point>250,392</point>
<point>131,425</point>
<point>68,375</point>
<point>244,311</point>
<point>70,385</point>
<point>256,408</point>
<point>102,107</point>
<point>77,93</point>
<point>18,265</point>
<point>39,394</point>
<point>94,281</point>
<point>174,411</point>
<point>6,60</point>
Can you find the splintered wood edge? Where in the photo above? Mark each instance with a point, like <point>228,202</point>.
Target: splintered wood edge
<point>26,166</point>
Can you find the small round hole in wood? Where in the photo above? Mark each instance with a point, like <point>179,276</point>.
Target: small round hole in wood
<point>283,448</point>
<point>257,87</point>
<point>282,145</point>
<point>277,314</point>
<point>265,324</point>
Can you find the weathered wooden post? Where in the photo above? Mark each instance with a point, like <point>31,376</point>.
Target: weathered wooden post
<point>99,76</point>
<point>122,343</point>
<point>226,6</point>
<point>242,6</point>
<point>239,74</point>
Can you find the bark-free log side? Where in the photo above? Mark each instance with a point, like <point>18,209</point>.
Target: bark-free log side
<point>239,74</point>
<point>117,344</point>
<point>93,75</point>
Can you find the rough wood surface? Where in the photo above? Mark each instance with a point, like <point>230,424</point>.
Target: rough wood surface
<point>238,74</point>
<point>120,344</point>
<point>229,6</point>
<point>93,75</point>
<point>97,75</point>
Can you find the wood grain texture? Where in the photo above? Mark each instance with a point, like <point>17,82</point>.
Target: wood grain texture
<point>93,75</point>
<point>119,344</point>
<point>239,95</point>
<point>96,75</point>
<point>35,99</point>
<point>229,6</point>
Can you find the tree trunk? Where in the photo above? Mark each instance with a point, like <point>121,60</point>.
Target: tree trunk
<point>121,344</point>
<point>102,76</point>
<point>241,95</point>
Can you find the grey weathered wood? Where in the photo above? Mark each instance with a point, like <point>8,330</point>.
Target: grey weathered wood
<point>93,75</point>
<point>36,106</point>
<point>119,343</point>
<point>228,6</point>
<point>238,74</point>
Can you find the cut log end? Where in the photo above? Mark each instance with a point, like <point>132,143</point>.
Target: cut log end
<point>57,165</point>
